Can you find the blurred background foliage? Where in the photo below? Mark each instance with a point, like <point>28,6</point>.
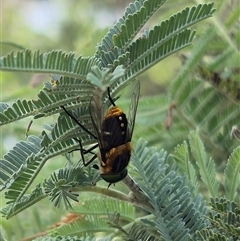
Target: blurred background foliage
<point>78,26</point>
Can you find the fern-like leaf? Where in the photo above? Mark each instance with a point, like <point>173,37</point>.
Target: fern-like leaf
<point>225,216</point>
<point>54,62</point>
<point>100,77</point>
<point>146,54</point>
<point>201,106</point>
<point>46,104</point>
<point>206,166</point>
<point>169,37</point>
<point>99,215</point>
<point>81,227</point>
<point>20,109</point>
<point>105,206</point>
<point>232,175</point>
<point>209,235</point>
<point>94,209</point>
<point>134,21</point>
<point>70,238</point>
<point>170,195</point>
<point>143,10</point>
<point>26,201</point>
<point>15,163</point>
<point>58,187</point>
<point>225,220</point>
<point>20,181</point>
<point>181,156</point>
<point>139,232</point>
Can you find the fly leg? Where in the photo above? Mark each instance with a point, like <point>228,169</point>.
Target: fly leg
<point>82,150</point>
<point>78,123</point>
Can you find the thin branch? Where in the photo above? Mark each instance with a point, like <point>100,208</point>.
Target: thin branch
<point>137,195</point>
<point>136,198</point>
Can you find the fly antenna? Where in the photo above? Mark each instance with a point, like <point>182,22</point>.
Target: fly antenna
<point>110,98</point>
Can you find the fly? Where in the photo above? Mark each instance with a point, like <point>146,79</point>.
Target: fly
<point>113,133</point>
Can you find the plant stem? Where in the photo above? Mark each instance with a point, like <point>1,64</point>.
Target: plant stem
<point>136,198</point>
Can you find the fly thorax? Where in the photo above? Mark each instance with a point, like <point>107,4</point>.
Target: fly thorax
<point>114,111</point>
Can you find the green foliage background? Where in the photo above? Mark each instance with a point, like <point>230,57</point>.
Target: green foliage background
<point>200,83</point>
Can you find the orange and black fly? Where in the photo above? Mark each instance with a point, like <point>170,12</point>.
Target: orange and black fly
<point>113,133</point>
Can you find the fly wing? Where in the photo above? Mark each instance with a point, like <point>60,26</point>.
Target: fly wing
<point>97,112</point>
<point>132,112</point>
<point>108,130</point>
